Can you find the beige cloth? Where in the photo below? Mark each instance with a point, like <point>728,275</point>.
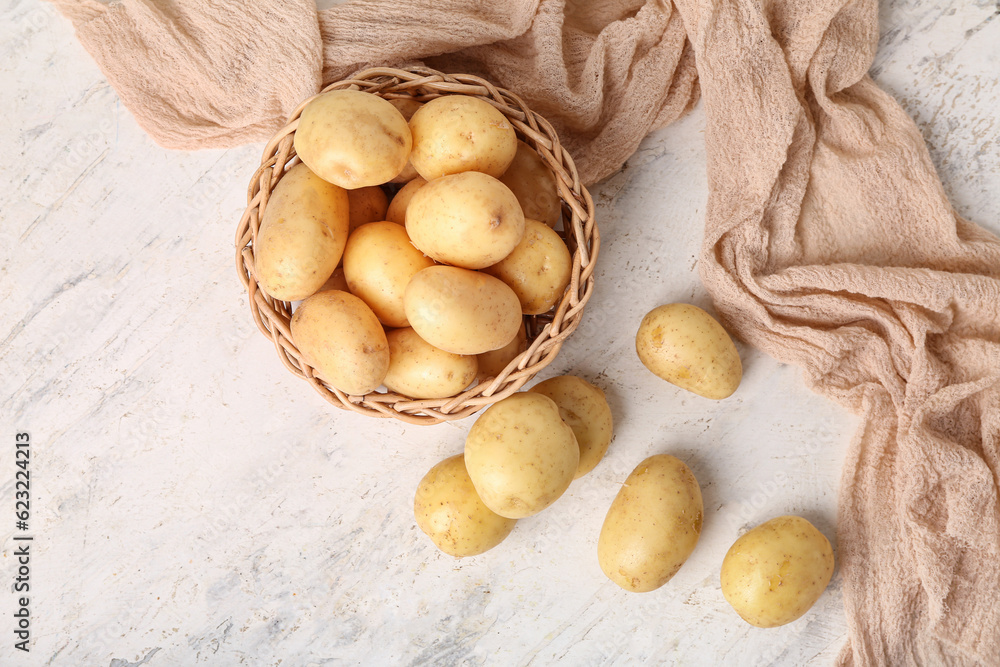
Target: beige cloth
<point>829,242</point>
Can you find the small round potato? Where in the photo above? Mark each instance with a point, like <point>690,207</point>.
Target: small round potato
<point>494,361</point>
<point>775,572</point>
<point>353,139</point>
<point>521,455</point>
<point>469,220</point>
<point>652,526</point>
<point>686,346</point>
<point>399,203</point>
<point>538,269</point>
<point>379,263</point>
<point>406,106</point>
<point>461,311</point>
<point>586,410</point>
<point>419,370</point>
<point>367,205</point>
<point>301,236</point>
<point>339,336</point>
<point>449,511</point>
<point>532,182</point>
<point>457,133</point>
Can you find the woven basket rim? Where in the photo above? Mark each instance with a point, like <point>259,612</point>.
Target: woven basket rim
<point>546,333</point>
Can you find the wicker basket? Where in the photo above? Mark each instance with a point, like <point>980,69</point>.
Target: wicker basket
<point>546,333</point>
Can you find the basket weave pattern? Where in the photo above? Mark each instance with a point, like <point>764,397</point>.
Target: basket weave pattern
<point>546,333</point>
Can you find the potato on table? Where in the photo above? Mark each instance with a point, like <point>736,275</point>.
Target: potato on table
<point>448,509</point>
<point>419,370</point>
<point>652,526</point>
<point>586,410</point>
<point>775,572</point>
<point>302,235</point>
<point>687,347</point>
<point>353,139</point>
<point>521,456</point>
<point>457,133</point>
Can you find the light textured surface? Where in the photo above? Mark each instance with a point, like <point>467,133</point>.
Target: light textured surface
<point>194,503</point>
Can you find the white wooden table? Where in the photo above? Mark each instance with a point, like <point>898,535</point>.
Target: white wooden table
<point>194,503</point>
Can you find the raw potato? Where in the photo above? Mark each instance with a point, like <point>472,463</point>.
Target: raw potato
<point>586,410</point>
<point>532,182</point>
<point>470,220</point>
<point>399,203</point>
<point>449,511</point>
<point>419,370</point>
<point>494,361</point>
<point>457,133</point>
<point>379,263</point>
<point>367,205</point>
<point>461,311</point>
<point>406,106</point>
<point>336,281</point>
<point>686,346</point>
<point>302,235</point>
<point>652,526</point>
<point>538,269</point>
<point>339,336</point>
<point>353,139</point>
<point>774,573</point>
<point>521,456</point>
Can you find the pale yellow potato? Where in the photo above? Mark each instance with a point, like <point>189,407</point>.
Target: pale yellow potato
<point>419,370</point>
<point>448,509</point>
<point>494,361</point>
<point>470,220</point>
<point>301,236</point>
<point>586,410</point>
<point>379,263</point>
<point>353,139</point>
<point>534,185</point>
<point>521,455</point>
<point>339,336</point>
<point>367,205</point>
<point>457,133</point>
<point>461,311</point>
<point>652,526</point>
<point>336,281</point>
<point>686,346</point>
<point>775,572</point>
<point>399,203</point>
<point>406,106</point>
<point>538,269</point>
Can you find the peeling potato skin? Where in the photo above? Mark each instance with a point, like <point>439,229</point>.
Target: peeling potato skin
<point>652,526</point>
<point>775,573</point>
<point>687,347</point>
<point>449,511</point>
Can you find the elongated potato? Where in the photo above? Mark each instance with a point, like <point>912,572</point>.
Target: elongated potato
<point>419,370</point>
<point>686,346</point>
<point>521,456</point>
<point>339,336</point>
<point>401,202</point>
<point>302,235</point>
<point>379,263</point>
<point>532,182</point>
<point>652,526</point>
<point>469,220</point>
<point>458,133</point>
<point>775,572</point>
<point>353,139</point>
<point>461,311</point>
<point>538,269</point>
<point>494,361</point>
<point>584,408</point>
<point>406,106</point>
<point>449,511</point>
<point>367,205</point>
